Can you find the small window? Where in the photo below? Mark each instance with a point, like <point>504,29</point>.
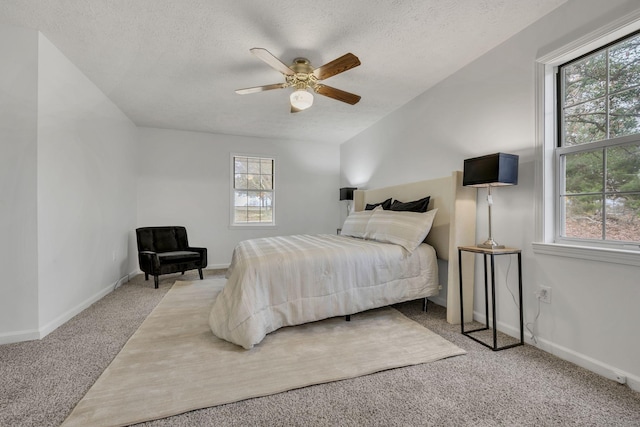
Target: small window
<point>598,150</point>
<point>253,189</point>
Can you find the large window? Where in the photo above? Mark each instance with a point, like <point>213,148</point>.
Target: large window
<point>253,190</point>
<point>598,150</point>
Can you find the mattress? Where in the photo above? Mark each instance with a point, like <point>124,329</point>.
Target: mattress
<point>290,280</point>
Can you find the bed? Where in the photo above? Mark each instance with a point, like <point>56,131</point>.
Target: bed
<point>289,280</point>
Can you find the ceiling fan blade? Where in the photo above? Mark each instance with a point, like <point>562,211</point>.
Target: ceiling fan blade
<point>260,88</point>
<point>271,60</point>
<point>337,66</point>
<point>340,95</point>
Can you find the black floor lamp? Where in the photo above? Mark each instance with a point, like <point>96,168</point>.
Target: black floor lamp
<point>494,170</point>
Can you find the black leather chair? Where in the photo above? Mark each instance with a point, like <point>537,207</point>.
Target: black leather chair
<point>164,250</point>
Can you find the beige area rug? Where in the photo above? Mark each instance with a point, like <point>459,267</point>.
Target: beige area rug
<point>174,364</point>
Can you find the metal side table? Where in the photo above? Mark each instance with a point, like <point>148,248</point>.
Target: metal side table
<point>491,253</point>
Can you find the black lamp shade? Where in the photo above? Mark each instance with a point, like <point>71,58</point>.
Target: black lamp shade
<point>346,193</point>
<point>492,170</point>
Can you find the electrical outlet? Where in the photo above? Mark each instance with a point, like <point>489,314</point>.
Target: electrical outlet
<point>544,294</point>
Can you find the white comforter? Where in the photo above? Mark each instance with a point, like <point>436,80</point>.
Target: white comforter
<point>283,281</point>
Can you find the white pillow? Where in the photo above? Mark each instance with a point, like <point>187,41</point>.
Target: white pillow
<point>356,223</point>
<point>407,229</point>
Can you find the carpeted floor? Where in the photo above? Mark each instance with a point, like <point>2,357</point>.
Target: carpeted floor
<point>41,381</point>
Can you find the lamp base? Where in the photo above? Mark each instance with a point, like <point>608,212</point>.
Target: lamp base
<point>490,244</point>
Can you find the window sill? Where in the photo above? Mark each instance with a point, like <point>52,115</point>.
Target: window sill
<point>251,226</point>
<point>616,256</point>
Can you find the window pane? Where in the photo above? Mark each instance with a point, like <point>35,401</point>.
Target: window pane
<point>253,198</point>
<point>624,111</point>
<point>253,214</point>
<point>240,198</point>
<point>586,79</point>
<point>254,165</point>
<point>624,64</point>
<point>253,182</point>
<point>240,165</point>
<point>583,172</point>
<point>240,215</point>
<point>623,218</point>
<point>623,168</point>
<point>240,181</point>
<point>266,198</point>
<point>583,217</point>
<point>252,190</point>
<point>267,215</point>
<point>585,123</point>
<point>599,101</point>
<point>266,182</point>
<point>267,166</point>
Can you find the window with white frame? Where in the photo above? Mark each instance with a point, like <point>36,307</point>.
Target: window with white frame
<point>253,190</point>
<point>597,156</point>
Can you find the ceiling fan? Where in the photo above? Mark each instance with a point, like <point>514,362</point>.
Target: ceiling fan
<point>302,76</point>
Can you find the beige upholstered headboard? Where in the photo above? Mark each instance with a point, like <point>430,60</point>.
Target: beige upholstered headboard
<point>454,225</point>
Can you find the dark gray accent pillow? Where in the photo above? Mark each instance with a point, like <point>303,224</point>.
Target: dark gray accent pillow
<point>385,205</point>
<point>414,206</point>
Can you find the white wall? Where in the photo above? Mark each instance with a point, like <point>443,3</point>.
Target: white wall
<point>486,107</point>
<point>86,190</point>
<point>18,241</point>
<point>67,188</point>
<point>184,179</point>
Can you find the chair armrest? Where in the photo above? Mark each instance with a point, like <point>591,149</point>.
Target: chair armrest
<point>149,261</point>
<point>202,252</point>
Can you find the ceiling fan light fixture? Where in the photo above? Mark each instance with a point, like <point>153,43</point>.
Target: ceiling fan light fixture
<point>301,77</point>
<point>301,99</point>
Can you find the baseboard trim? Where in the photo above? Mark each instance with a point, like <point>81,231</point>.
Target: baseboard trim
<point>208,267</point>
<point>438,300</point>
<point>19,336</point>
<point>217,266</point>
<point>124,279</point>
<point>69,314</point>
<point>587,362</point>
<point>36,334</point>
<point>569,355</point>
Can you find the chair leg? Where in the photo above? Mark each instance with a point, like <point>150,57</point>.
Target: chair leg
<point>155,281</point>
<point>183,273</point>
<point>200,272</point>
<point>146,276</point>
<point>424,305</point>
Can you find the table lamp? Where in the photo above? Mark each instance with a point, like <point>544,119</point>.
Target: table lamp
<point>346,193</point>
<point>493,170</point>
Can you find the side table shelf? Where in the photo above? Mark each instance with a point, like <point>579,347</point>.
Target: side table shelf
<point>491,253</point>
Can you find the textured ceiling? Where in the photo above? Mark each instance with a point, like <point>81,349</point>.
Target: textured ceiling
<point>176,63</point>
